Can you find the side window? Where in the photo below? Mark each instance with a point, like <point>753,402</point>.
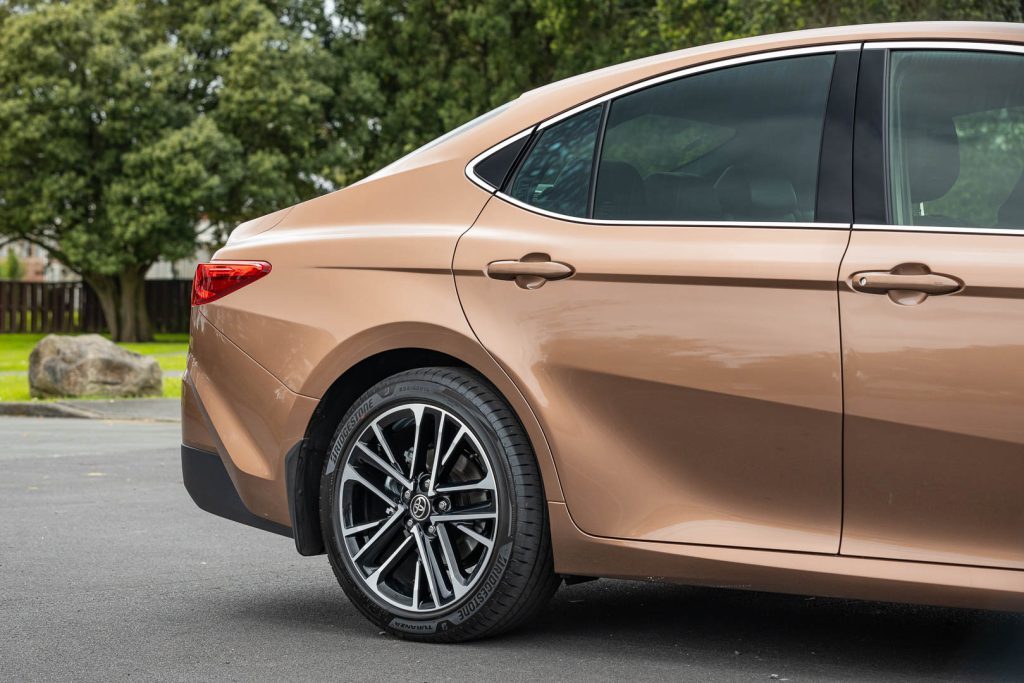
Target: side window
<point>555,176</point>
<point>956,139</point>
<point>735,144</point>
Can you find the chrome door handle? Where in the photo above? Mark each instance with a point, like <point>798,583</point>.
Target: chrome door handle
<point>879,282</point>
<point>529,272</point>
<point>906,284</point>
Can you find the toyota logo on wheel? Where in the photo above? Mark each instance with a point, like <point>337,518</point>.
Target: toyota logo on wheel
<point>419,508</point>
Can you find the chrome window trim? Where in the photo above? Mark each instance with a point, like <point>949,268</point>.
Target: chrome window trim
<point>939,229</point>
<point>680,224</point>
<point>471,166</point>
<point>655,80</point>
<point>967,45</point>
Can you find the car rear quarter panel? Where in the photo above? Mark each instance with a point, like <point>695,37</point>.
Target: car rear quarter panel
<point>355,273</point>
<point>367,258</point>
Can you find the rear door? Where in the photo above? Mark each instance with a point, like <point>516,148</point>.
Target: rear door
<point>932,304</point>
<point>675,323</point>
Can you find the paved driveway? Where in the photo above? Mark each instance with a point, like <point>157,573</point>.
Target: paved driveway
<point>108,571</point>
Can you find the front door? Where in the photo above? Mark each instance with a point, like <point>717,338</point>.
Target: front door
<point>932,303</point>
<point>675,323</point>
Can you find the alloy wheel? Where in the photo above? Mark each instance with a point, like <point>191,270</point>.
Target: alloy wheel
<point>419,508</point>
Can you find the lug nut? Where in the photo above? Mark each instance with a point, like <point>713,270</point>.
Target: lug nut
<point>431,530</point>
<point>409,523</point>
<point>407,496</point>
<point>443,505</point>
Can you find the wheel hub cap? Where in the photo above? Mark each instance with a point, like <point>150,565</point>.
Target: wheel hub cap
<point>419,507</point>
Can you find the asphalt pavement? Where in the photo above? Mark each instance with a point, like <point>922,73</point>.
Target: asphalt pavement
<point>109,572</point>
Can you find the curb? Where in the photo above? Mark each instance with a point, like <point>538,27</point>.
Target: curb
<point>33,409</point>
<point>65,410</point>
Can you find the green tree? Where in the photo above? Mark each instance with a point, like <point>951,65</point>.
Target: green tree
<point>418,68</point>
<point>127,122</point>
<point>12,268</point>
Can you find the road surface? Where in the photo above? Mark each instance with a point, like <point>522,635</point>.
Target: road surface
<point>108,572</point>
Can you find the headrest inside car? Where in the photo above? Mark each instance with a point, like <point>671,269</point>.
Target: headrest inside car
<point>748,195</point>
<point>620,192</point>
<point>933,158</point>
<point>1011,213</point>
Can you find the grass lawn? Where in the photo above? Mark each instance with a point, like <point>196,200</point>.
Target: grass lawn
<point>169,350</point>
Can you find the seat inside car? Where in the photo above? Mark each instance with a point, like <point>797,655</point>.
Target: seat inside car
<point>739,194</point>
<point>681,196</point>
<point>747,194</point>
<point>932,152</point>
<point>1011,213</point>
<point>620,193</point>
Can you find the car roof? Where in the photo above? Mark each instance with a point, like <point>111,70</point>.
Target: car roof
<point>620,75</point>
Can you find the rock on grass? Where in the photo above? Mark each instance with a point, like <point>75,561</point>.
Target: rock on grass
<point>90,365</point>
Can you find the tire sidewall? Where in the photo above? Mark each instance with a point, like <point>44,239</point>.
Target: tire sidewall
<point>385,396</point>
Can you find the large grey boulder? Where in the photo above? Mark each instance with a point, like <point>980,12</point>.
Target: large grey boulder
<point>90,365</point>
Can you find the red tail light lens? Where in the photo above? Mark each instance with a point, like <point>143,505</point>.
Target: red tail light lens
<point>220,278</point>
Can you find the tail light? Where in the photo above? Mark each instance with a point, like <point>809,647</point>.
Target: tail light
<point>220,278</point>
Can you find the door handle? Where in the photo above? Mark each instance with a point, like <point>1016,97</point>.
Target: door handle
<point>906,284</point>
<point>529,272</point>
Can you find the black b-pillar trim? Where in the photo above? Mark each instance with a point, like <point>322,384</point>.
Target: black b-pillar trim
<point>595,162</point>
<point>870,205</point>
<point>835,170</point>
<point>207,481</point>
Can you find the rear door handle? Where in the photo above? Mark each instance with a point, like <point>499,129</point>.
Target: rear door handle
<point>906,284</point>
<point>529,272</point>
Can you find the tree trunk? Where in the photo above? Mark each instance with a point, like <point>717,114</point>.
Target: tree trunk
<point>106,290</point>
<point>134,317</point>
<point>123,300</point>
<point>142,311</point>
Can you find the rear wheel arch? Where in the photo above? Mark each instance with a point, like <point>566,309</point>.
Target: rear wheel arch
<point>304,462</point>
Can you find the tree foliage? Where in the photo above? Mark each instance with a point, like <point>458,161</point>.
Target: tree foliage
<point>127,122</point>
<point>11,268</point>
<point>422,67</point>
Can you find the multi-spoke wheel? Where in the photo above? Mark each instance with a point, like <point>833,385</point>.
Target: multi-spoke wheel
<point>418,506</point>
<point>430,494</point>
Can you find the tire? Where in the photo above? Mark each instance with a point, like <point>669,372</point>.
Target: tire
<point>431,469</point>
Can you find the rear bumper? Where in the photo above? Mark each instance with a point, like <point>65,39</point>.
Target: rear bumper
<point>207,481</point>
<point>236,410</point>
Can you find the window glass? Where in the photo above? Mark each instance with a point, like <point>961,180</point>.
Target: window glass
<point>494,168</point>
<point>555,176</point>
<point>734,144</point>
<point>956,139</point>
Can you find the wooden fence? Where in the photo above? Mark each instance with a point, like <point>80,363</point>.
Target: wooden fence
<point>169,303</point>
<point>73,307</point>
